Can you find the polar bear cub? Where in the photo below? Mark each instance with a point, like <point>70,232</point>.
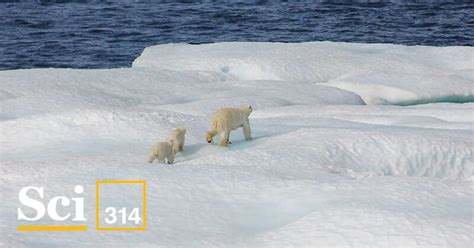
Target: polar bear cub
<point>228,119</point>
<point>163,151</point>
<point>177,136</point>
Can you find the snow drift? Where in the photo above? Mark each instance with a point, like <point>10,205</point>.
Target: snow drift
<point>380,74</point>
<point>324,169</point>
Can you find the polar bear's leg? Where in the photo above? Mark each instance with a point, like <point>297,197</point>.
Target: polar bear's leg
<point>175,148</point>
<point>228,141</point>
<point>224,137</point>
<point>247,131</point>
<point>181,144</point>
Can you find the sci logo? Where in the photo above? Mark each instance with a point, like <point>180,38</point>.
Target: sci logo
<point>51,208</point>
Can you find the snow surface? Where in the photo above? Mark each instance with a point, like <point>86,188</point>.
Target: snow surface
<point>323,170</point>
<point>379,73</point>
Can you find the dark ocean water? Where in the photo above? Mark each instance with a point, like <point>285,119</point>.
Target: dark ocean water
<point>109,34</point>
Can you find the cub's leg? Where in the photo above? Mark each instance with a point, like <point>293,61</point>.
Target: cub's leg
<point>152,156</point>
<point>176,148</point>
<point>161,158</point>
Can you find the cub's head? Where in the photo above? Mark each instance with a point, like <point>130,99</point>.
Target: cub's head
<point>247,109</point>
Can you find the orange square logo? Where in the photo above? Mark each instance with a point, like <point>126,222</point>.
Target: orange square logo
<point>113,210</point>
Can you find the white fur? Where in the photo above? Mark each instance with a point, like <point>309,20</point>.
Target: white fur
<point>177,136</point>
<point>163,151</point>
<point>228,119</point>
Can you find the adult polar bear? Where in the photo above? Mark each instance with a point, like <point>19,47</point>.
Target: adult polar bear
<point>228,119</point>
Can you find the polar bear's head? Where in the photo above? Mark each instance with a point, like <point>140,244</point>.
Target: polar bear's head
<point>247,109</point>
<point>210,135</point>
